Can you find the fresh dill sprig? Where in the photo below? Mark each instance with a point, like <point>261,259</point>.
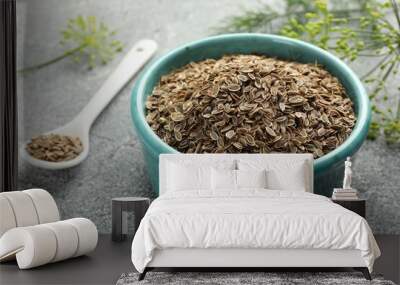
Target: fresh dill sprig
<point>88,41</point>
<point>354,30</point>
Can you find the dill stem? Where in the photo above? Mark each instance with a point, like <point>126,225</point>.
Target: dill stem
<point>51,61</point>
<point>375,67</point>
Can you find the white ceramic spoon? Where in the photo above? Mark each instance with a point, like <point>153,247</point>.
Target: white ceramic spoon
<point>140,53</point>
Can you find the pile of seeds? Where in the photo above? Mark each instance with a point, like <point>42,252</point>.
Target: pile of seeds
<point>54,147</point>
<point>250,104</point>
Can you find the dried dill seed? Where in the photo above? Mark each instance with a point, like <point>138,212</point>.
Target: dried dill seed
<point>250,104</point>
<point>54,147</point>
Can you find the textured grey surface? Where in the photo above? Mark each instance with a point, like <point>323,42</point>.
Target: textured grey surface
<point>270,278</point>
<point>52,96</point>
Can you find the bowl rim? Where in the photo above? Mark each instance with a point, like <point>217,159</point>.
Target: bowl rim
<point>347,148</point>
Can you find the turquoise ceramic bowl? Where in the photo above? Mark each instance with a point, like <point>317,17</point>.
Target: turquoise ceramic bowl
<point>328,170</point>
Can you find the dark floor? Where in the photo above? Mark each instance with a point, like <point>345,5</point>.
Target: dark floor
<point>103,266</point>
<point>110,260</point>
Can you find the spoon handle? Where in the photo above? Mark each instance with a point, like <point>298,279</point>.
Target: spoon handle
<point>140,53</point>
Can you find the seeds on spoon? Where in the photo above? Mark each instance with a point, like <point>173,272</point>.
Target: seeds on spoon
<point>54,147</point>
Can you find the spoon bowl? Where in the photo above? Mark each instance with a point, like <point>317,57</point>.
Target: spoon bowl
<point>79,127</point>
<point>72,129</point>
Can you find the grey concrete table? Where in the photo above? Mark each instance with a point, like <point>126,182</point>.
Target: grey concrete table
<point>52,96</point>
<point>120,208</point>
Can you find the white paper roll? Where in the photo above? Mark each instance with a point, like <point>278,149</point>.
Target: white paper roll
<point>24,210</point>
<point>45,205</point>
<point>67,239</point>
<point>33,246</point>
<point>7,218</point>
<point>37,245</point>
<point>87,233</point>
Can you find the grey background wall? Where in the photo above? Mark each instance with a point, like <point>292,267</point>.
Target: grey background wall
<point>52,96</point>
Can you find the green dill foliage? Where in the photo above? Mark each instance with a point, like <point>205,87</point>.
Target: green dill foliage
<point>87,41</point>
<point>356,30</point>
<point>92,40</point>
